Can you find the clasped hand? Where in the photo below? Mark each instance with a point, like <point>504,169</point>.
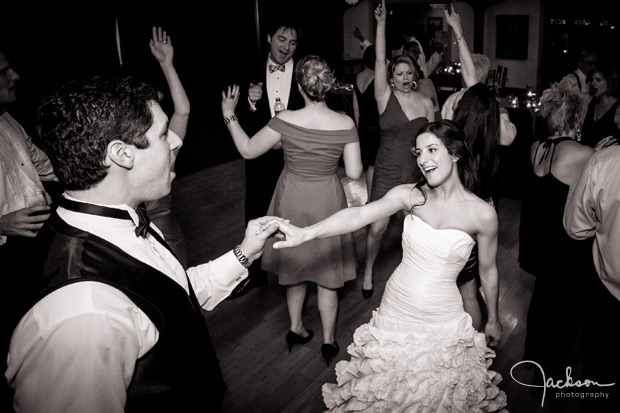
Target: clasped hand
<point>290,235</point>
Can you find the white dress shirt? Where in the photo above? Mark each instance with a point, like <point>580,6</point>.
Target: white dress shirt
<point>593,210</point>
<point>279,84</point>
<point>76,349</point>
<point>22,166</point>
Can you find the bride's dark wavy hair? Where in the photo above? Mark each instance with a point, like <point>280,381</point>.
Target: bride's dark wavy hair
<point>453,138</point>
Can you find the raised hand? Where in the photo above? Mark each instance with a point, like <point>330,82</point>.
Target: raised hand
<point>452,17</point>
<point>161,46</point>
<point>230,98</point>
<point>255,93</point>
<point>357,33</point>
<point>381,12</point>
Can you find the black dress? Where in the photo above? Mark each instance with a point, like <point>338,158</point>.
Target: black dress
<point>592,131</point>
<point>564,271</point>
<point>368,128</point>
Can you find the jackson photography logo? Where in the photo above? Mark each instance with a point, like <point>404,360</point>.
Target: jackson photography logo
<point>593,389</point>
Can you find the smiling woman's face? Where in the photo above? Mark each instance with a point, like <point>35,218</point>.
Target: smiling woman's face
<point>433,158</point>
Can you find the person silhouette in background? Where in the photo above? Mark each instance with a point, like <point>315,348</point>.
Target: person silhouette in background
<point>474,69</point>
<point>601,125</point>
<point>24,207</point>
<point>366,114</point>
<point>274,78</point>
<point>579,79</point>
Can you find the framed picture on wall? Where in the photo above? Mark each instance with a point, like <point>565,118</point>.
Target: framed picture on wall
<point>512,33</point>
<point>434,24</point>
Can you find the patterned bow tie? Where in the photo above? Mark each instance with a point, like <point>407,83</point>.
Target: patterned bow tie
<point>144,221</point>
<point>273,68</point>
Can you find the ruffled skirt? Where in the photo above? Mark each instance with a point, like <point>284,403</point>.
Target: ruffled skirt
<point>406,367</point>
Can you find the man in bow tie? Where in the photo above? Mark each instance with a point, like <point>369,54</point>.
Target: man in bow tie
<point>117,325</point>
<point>273,78</point>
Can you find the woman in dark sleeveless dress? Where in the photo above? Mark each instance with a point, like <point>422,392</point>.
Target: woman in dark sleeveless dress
<point>366,114</point>
<point>563,267</point>
<point>601,126</point>
<point>402,113</point>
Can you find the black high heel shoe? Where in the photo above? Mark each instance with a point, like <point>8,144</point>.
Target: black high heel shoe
<point>329,351</point>
<point>368,293</point>
<point>292,338</point>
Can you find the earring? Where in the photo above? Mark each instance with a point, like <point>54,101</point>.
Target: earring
<point>392,85</point>
<point>415,85</point>
<point>578,135</point>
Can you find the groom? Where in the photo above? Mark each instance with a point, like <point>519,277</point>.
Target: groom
<point>118,323</point>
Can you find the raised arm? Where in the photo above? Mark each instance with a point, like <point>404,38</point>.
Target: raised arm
<point>265,139</point>
<point>468,70</point>
<point>382,88</point>
<point>161,47</point>
<point>489,279</point>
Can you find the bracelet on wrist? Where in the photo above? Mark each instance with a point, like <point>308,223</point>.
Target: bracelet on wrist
<point>458,39</point>
<point>231,118</point>
<point>243,260</point>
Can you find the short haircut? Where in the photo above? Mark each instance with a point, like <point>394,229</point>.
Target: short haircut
<point>285,23</point>
<point>482,64</point>
<point>78,121</point>
<point>563,109</point>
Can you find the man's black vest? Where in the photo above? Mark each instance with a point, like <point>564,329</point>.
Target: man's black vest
<point>181,372</point>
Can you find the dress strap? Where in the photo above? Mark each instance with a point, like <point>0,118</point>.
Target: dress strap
<point>549,145</point>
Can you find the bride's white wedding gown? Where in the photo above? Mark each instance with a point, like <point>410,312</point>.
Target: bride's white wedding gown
<point>419,352</point>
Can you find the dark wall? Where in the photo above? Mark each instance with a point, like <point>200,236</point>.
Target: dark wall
<point>215,44</point>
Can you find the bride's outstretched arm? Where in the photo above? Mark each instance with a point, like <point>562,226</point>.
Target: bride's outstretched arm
<point>349,219</point>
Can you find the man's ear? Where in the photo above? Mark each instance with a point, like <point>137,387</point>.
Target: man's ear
<point>121,154</point>
<point>269,38</point>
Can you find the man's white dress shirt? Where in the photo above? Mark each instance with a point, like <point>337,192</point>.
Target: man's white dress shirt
<point>76,349</point>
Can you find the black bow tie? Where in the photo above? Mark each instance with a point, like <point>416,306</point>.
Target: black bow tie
<point>273,68</point>
<point>144,222</point>
<point>141,229</point>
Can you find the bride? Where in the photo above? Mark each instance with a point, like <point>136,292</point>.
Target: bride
<point>419,351</point>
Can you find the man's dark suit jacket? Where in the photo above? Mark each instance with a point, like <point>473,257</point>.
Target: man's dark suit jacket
<point>262,173</point>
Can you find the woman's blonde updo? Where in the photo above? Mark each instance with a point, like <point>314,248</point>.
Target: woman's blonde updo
<point>315,77</point>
